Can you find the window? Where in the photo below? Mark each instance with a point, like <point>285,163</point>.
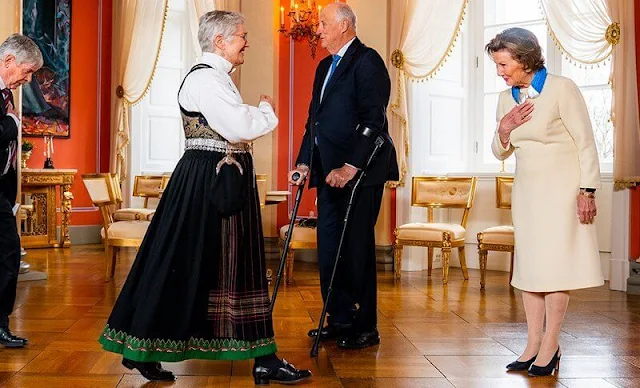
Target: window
<point>499,15</point>
<point>473,114</point>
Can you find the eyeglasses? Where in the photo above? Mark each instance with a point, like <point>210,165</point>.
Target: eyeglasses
<point>242,36</point>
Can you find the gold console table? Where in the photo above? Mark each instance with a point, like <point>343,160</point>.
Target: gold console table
<point>39,187</point>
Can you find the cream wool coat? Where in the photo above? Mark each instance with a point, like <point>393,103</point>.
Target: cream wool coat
<point>555,156</point>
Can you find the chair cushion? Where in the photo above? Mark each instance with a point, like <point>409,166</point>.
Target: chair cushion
<point>429,231</point>
<point>132,214</point>
<point>127,229</point>
<point>300,234</point>
<point>502,235</point>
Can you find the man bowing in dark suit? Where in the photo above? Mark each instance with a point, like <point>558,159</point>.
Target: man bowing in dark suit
<point>346,114</point>
<point>20,57</point>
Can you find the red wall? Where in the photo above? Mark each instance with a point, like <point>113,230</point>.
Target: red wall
<point>304,68</point>
<point>90,80</point>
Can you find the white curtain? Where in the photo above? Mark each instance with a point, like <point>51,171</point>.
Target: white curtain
<point>196,9</point>
<point>425,33</point>
<point>138,26</point>
<point>581,28</point>
<point>626,120</point>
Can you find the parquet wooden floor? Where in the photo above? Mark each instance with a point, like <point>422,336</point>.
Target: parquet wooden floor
<point>432,336</point>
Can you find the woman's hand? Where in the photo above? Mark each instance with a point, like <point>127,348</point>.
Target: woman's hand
<point>517,116</point>
<point>268,100</point>
<point>586,207</point>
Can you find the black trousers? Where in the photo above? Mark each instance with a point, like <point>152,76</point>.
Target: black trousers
<point>9,260</point>
<point>355,280</point>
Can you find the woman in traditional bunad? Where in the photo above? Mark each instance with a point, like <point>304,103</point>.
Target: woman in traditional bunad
<point>198,287</point>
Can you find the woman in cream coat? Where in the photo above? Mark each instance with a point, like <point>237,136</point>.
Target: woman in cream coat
<point>543,119</point>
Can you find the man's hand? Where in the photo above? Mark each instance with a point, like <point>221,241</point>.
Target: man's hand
<point>341,176</point>
<point>12,110</point>
<point>303,171</point>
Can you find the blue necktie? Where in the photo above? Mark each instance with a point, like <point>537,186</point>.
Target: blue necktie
<point>334,64</point>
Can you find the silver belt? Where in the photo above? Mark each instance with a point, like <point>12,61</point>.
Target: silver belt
<point>214,145</point>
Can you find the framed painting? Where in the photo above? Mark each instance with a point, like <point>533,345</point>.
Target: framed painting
<point>45,100</point>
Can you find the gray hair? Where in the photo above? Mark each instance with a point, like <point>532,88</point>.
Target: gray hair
<point>216,23</point>
<point>23,48</point>
<point>344,12</point>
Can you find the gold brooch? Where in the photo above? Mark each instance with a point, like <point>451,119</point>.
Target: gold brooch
<point>613,33</point>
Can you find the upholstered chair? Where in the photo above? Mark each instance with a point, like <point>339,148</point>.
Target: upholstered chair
<point>437,193</point>
<point>103,190</point>
<point>261,181</point>
<point>497,238</point>
<point>147,186</point>
<point>304,237</point>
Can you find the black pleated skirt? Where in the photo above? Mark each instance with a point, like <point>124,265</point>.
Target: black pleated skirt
<point>198,287</point>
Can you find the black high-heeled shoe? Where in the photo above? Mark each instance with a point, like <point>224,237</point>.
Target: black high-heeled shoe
<point>150,370</point>
<point>285,373</point>
<point>521,365</point>
<point>548,369</point>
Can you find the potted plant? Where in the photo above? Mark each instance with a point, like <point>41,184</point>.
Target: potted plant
<point>27,147</point>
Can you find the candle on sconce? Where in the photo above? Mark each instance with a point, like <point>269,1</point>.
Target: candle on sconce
<point>309,4</point>
<point>319,9</point>
<point>282,16</point>
<point>291,4</point>
<point>297,14</point>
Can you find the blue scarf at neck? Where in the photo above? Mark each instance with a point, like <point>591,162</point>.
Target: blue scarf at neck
<point>537,84</point>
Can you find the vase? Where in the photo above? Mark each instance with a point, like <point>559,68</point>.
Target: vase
<point>23,159</point>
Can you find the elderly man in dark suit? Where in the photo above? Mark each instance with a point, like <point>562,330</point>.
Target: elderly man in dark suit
<point>350,93</point>
<point>20,57</point>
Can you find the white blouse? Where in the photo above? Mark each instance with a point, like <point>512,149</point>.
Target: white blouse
<point>213,93</point>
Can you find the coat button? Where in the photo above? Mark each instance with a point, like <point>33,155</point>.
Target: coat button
<point>316,123</point>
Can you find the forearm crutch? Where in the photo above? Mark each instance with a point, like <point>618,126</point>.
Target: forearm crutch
<point>287,240</point>
<point>378,144</point>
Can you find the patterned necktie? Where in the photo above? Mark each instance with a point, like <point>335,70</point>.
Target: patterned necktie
<point>7,97</point>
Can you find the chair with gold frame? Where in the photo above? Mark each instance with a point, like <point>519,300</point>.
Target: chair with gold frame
<point>433,193</point>
<point>261,181</point>
<point>103,190</point>
<point>163,184</point>
<point>304,237</point>
<point>147,187</point>
<point>144,186</point>
<point>497,238</point>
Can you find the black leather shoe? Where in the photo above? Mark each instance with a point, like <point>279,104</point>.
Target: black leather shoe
<point>360,340</point>
<point>284,374</point>
<point>548,369</point>
<point>331,332</point>
<point>521,365</point>
<point>9,340</point>
<point>150,370</point>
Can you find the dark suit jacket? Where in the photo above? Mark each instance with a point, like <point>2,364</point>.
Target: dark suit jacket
<point>8,133</point>
<point>357,94</point>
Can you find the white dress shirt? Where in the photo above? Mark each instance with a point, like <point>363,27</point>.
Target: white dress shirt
<point>14,117</point>
<point>213,93</point>
<point>340,53</point>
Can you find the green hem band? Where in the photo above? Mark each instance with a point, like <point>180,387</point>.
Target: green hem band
<point>174,351</point>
